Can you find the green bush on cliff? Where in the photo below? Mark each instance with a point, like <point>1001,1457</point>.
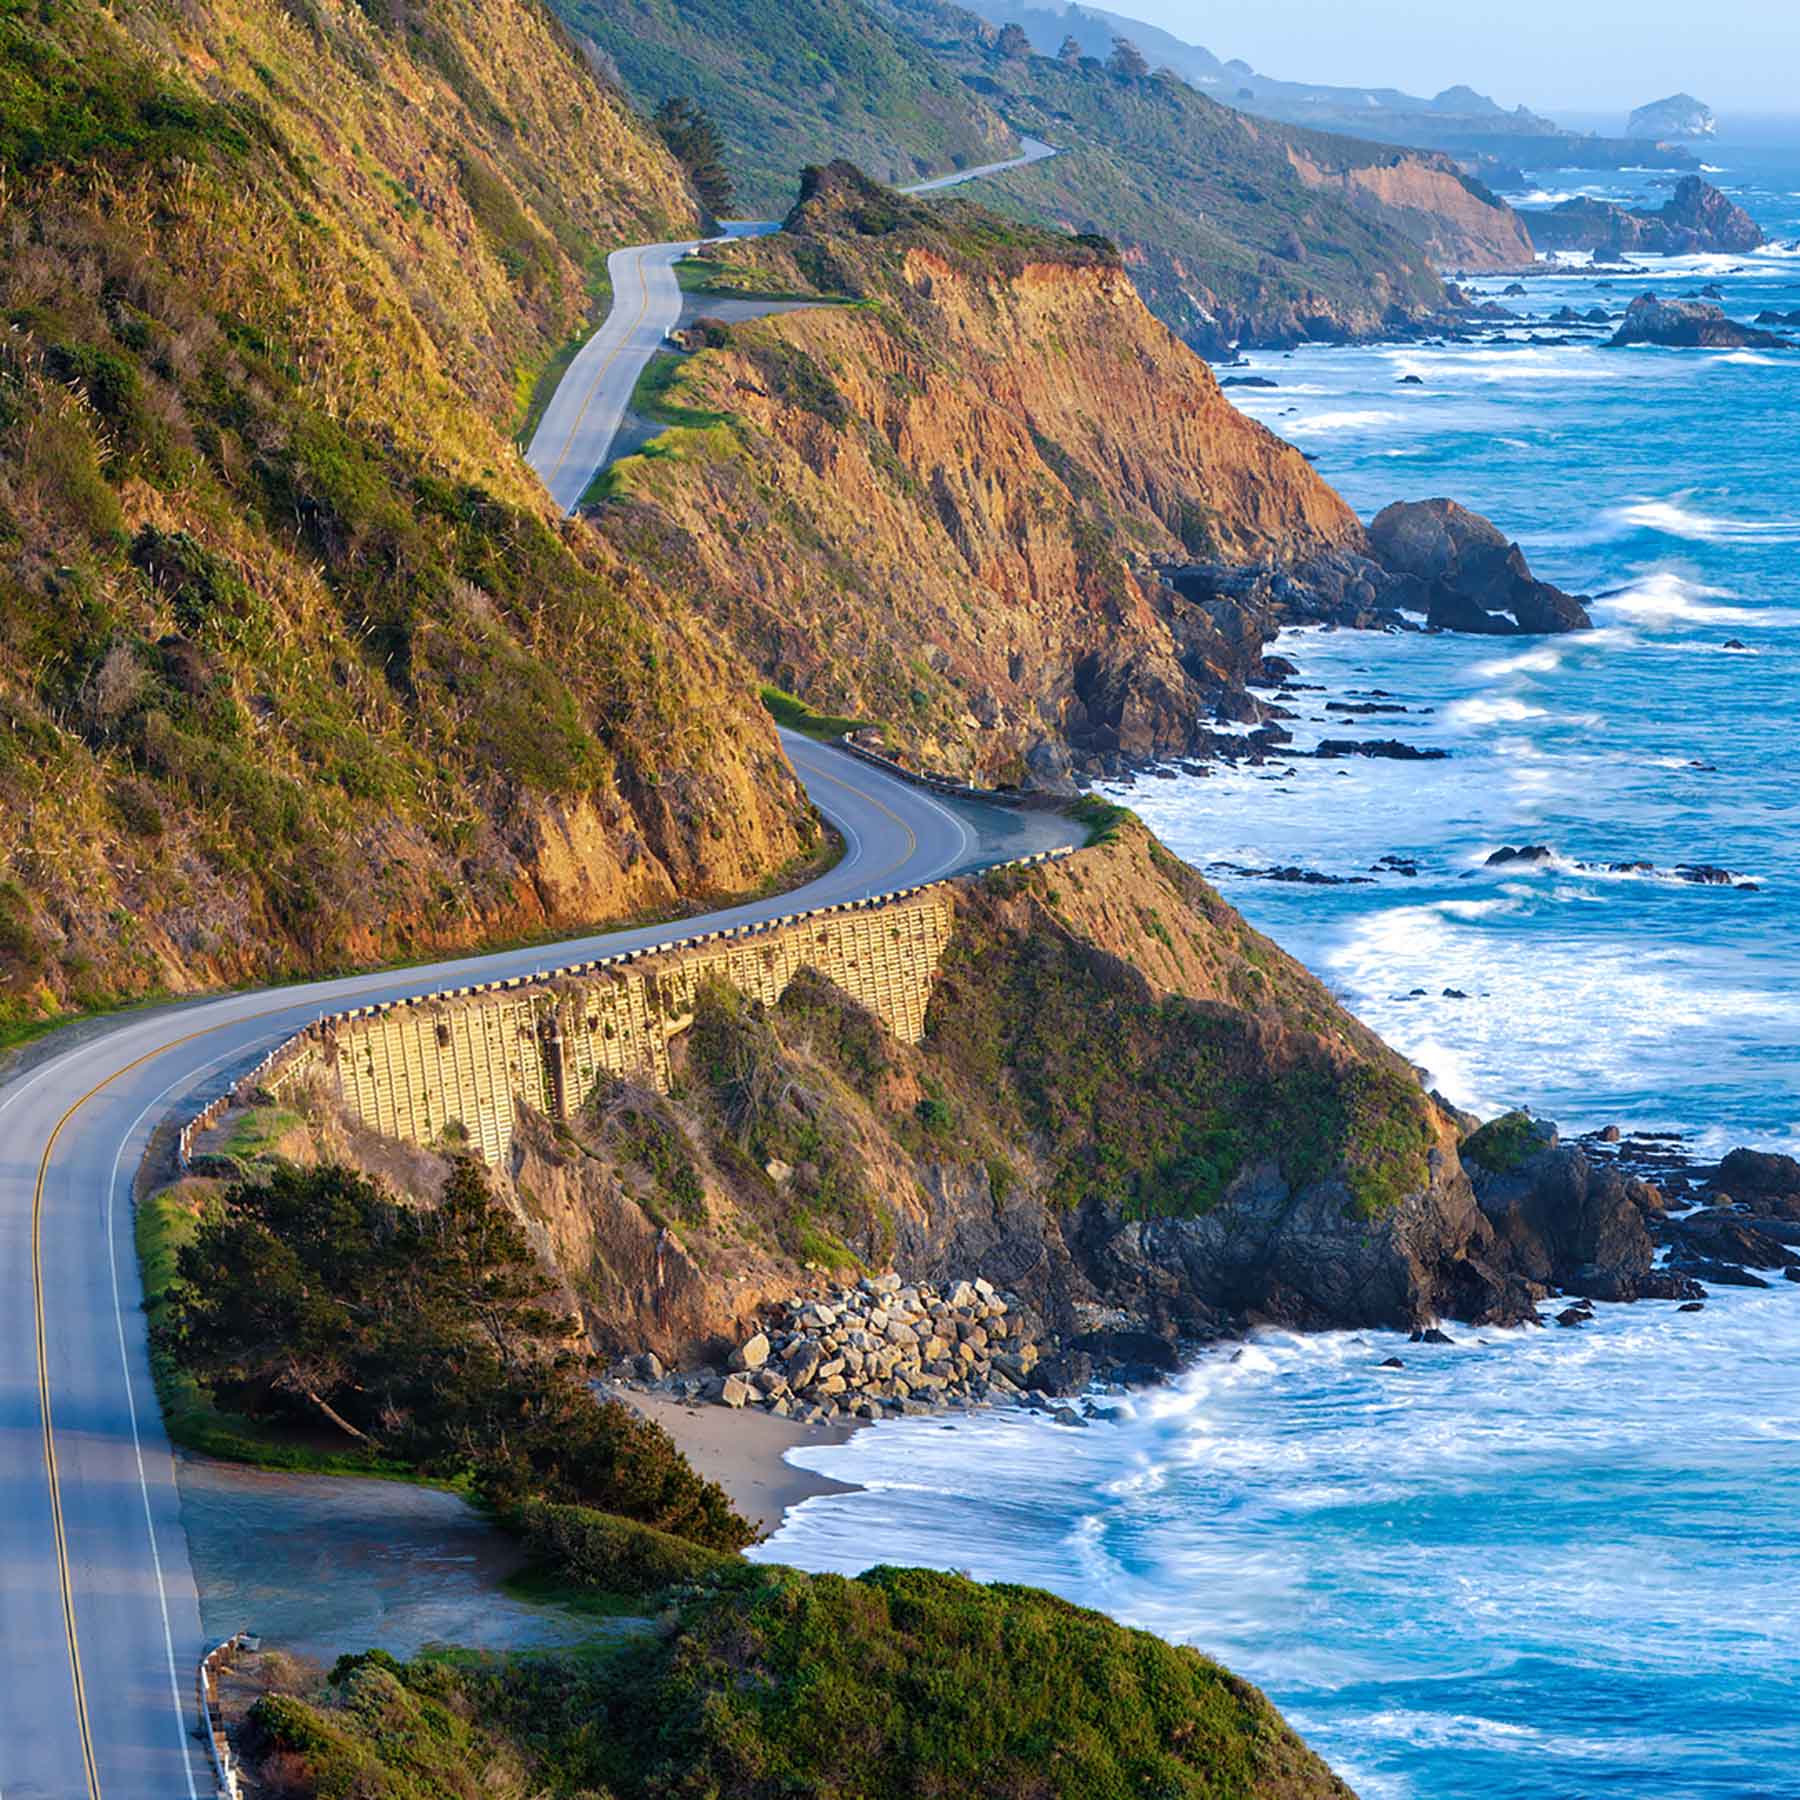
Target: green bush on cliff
<point>1153,1105</point>
<point>822,1211</point>
<point>1502,1144</point>
<point>773,1684</point>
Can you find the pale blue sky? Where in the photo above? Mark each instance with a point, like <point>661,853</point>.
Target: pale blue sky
<point>1592,56</point>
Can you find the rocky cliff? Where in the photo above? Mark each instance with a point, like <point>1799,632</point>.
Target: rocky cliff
<point>1128,1108</point>
<point>934,507</point>
<point>1225,239</point>
<point>1453,218</point>
<point>297,667</point>
<point>1695,218</point>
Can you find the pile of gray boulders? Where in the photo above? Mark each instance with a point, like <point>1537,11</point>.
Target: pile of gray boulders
<point>884,1348</point>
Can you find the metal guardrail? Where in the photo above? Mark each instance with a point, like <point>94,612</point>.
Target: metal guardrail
<point>290,1058</point>
<point>211,1729</point>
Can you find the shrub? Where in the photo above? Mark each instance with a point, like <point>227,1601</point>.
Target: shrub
<point>589,1549</point>
<point>1502,1144</point>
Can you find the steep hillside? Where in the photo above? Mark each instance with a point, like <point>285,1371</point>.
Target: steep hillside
<point>928,508</point>
<point>1224,238</point>
<point>796,83</point>
<point>297,666</point>
<point>1422,193</point>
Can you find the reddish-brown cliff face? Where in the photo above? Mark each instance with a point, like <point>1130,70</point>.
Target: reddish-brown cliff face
<point>936,507</point>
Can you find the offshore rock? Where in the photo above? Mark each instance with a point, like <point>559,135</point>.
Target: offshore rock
<point>1563,1221</point>
<point>1677,116</point>
<point>1688,325</point>
<point>1475,579</point>
<point>1696,218</point>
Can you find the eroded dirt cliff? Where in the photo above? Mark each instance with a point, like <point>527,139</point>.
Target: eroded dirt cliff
<point>935,507</point>
<point>1128,1107</point>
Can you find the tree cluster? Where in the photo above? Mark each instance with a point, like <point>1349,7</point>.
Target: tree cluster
<point>429,1334</point>
<point>696,143</point>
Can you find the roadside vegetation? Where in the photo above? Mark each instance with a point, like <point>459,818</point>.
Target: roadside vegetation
<point>426,1338</point>
<point>789,710</point>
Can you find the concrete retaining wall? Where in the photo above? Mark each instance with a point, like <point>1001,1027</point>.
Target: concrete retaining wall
<point>453,1067</point>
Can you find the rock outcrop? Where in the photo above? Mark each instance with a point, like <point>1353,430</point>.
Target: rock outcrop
<point>1561,1221</point>
<point>1675,117</point>
<point>1689,325</point>
<point>1695,218</point>
<point>1473,578</point>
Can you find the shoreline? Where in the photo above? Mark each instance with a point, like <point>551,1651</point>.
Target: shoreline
<point>745,1451</point>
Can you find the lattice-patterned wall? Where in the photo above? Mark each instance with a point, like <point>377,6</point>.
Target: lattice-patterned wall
<point>457,1064</point>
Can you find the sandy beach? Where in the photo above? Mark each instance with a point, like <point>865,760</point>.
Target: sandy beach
<point>743,1452</point>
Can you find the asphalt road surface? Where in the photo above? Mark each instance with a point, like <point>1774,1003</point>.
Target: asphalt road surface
<point>575,436</point>
<point>99,1621</point>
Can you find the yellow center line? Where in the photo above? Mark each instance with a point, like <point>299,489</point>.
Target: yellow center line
<point>90,1766</point>
<point>53,1472</point>
<point>912,842</point>
<point>600,374</point>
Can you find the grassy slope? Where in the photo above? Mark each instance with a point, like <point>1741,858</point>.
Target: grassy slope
<point>296,667</point>
<point>769,1683</point>
<point>1201,198</point>
<point>792,82</point>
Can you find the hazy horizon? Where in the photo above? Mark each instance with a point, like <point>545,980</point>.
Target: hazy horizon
<point>1606,57</point>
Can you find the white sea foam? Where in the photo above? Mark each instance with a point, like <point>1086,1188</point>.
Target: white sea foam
<point>1663,597</point>
<point>1502,711</point>
<point>1341,421</point>
<point>1673,518</point>
<point>1537,661</point>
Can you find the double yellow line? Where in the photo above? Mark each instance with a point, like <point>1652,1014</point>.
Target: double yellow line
<point>587,399</point>
<point>90,1764</point>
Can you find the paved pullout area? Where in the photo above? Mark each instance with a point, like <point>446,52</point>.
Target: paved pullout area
<point>100,1624</point>
<point>574,438</point>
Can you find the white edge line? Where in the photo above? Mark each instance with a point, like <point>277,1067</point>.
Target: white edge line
<point>137,1443</point>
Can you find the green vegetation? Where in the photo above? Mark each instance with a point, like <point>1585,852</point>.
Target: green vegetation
<point>166,1224</point>
<point>1103,818</point>
<point>737,1069</point>
<point>770,1683</point>
<point>294,656</point>
<point>1502,1144</point>
<point>427,1336</point>
<point>1152,1105</point>
<point>581,1551</point>
<point>786,709</point>
<point>695,143</point>
<point>794,83</point>
<point>1223,234</point>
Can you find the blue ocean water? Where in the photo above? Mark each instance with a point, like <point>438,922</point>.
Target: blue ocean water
<point>1538,1564</point>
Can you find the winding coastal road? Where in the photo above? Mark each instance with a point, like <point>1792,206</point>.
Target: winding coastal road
<point>100,1628</point>
<point>575,436</point>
